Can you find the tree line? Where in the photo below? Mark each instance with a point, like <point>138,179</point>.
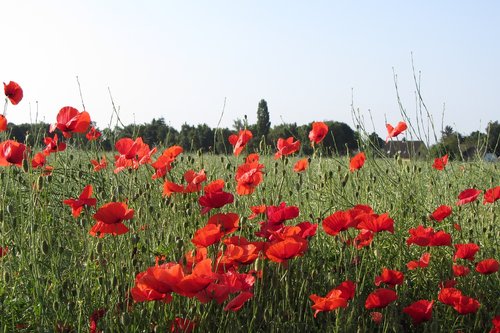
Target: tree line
<point>341,139</point>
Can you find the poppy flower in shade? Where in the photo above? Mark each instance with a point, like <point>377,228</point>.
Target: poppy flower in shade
<point>421,263</point>
<point>301,165</point>
<point>248,176</point>
<point>182,325</point>
<point>13,92</point>
<point>12,153</point>
<point>3,251</point>
<point>214,196</point>
<point>286,147</point>
<point>38,160</point>
<point>449,295</point>
<point>110,219</point>
<point>94,318</point>
<point>83,200</point>
<point>441,213</point>
<point>465,251</point>
<point>3,123</point>
<point>487,266</point>
<point>467,196</point>
<point>420,311</point>
<point>376,317</point>
<point>496,324</point>
<point>257,210</point>
<point>364,238</point>
<point>492,195</point>
<point>237,303</point>
<point>380,298</point>
<point>318,132</point>
<point>239,141</point>
<point>100,165</point>
<point>208,235</point>
<point>465,305</point>
<point>281,213</point>
<point>395,131</point>
<point>93,134</point>
<point>357,162</point>
<point>459,270</point>
<point>52,145</point>
<point>70,120</point>
<point>440,162</point>
<point>390,277</point>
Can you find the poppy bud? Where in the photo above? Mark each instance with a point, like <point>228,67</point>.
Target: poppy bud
<point>25,165</point>
<point>45,247</point>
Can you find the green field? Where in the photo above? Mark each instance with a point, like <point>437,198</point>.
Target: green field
<point>55,274</point>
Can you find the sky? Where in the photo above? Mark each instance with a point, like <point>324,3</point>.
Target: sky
<point>310,60</point>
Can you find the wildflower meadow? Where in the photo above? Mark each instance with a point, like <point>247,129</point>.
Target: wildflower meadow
<point>156,239</point>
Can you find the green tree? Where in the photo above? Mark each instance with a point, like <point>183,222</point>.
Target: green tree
<point>263,122</point>
<point>493,132</point>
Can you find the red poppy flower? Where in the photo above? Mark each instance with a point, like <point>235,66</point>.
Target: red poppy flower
<point>492,195</point>
<point>421,263</point>
<point>12,153</point>
<point>13,92</point>
<point>208,235</point>
<point>182,325</point>
<point>419,311</point>
<point>364,238</point>
<point>376,317</point>
<point>301,165</point>
<point>257,210</point>
<point>3,123</point>
<point>487,266</point>
<point>94,318</point>
<point>228,222</point>
<point>286,147</point>
<point>281,213</point>
<point>395,131</point>
<point>214,197</point>
<point>465,305</point>
<point>427,237</point>
<point>110,219</point>
<point>441,213</point>
<point>237,303</point>
<point>329,303</point>
<point>52,145</point>
<point>38,160</point>
<point>99,165</point>
<point>338,222</point>
<point>357,162</point>
<point>194,180</point>
<point>318,132</point>
<point>83,200</point>
<point>169,188</point>
<point>248,176</point>
<point>93,134</point>
<point>198,280</point>
<point>390,277</point>
<point>380,298</point>
<point>70,120</point>
<point>440,162</point>
<point>239,141</point>
<point>465,251</point>
<point>459,270</point>
<point>377,223</point>
<point>281,251</point>
<point>467,196</point>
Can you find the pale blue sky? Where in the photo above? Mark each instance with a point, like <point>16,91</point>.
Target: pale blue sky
<point>180,59</point>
